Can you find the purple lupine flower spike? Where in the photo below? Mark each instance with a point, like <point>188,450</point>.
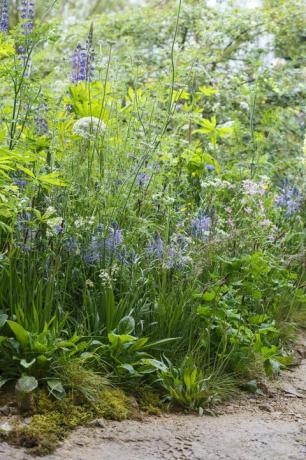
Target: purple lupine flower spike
<point>41,123</point>
<point>90,68</point>
<point>27,14</point>
<point>79,64</point>
<point>4,17</point>
<point>83,61</point>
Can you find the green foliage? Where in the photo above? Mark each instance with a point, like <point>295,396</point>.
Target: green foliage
<point>161,245</point>
<point>188,386</point>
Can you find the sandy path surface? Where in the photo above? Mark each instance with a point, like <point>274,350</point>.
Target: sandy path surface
<point>272,427</point>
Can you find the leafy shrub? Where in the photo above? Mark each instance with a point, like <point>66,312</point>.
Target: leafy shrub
<point>151,221</point>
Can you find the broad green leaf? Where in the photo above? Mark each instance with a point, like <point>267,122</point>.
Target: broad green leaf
<point>154,364</point>
<point>52,179</point>
<point>120,339</point>
<point>26,384</point>
<point>138,344</point>
<point>26,364</point>
<point>126,325</point>
<point>27,171</point>
<point>207,90</point>
<point>129,368</point>
<point>6,50</point>
<point>3,319</point>
<point>21,334</point>
<point>3,381</point>
<point>56,388</point>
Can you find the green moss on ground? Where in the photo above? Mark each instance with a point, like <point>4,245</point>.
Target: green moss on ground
<point>51,420</point>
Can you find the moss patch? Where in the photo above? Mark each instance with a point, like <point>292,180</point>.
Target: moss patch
<point>51,420</point>
<point>150,402</point>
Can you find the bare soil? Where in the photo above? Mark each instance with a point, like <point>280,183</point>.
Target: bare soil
<point>270,427</point>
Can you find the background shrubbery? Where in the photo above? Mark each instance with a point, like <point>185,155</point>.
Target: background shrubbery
<point>151,198</point>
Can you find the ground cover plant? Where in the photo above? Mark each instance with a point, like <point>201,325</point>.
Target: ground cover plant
<point>151,205</point>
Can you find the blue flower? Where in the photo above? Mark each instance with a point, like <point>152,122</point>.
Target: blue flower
<point>156,247</point>
<point>200,226</point>
<point>289,200</point>
<point>93,253</point>
<point>82,65</point>
<point>20,183</point>
<point>210,167</point>
<point>27,14</point>
<point>143,179</point>
<point>115,238</point>
<point>128,257</point>
<point>71,244</point>
<point>41,123</point>
<point>60,229</point>
<point>4,17</point>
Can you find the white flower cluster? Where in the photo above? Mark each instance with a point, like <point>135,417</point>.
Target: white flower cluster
<point>108,276</point>
<point>88,127</point>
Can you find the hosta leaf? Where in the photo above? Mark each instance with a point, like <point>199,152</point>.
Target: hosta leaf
<point>26,384</point>
<point>126,325</point>
<point>25,364</point>
<point>3,381</point>
<point>129,368</point>
<point>3,319</point>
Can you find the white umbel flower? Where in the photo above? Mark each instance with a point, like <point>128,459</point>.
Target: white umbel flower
<point>88,127</point>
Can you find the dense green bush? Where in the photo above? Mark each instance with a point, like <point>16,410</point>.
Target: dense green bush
<point>152,206</point>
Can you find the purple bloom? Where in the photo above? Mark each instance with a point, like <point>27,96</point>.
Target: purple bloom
<point>210,167</point>
<point>27,14</point>
<point>24,60</point>
<point>176,257</point>
<point>83,61</point>
<point>128,257</point>
<point>93,253</point>
<point>60,229</point>
<point>289,200</point>
<point>200,226</point>
<point>20,183</point>
<point>71,244</point>
<point>79,64</point>
<point>82,65</point>
<point>41,123</point>
<point>156,247</point>
<point>25,247</point>
<point>91,258</point>
<point>4,17</point>
<point>115,238</point>
<point>26,234</point>
<point>253,188</point>
<point>143,179</point>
